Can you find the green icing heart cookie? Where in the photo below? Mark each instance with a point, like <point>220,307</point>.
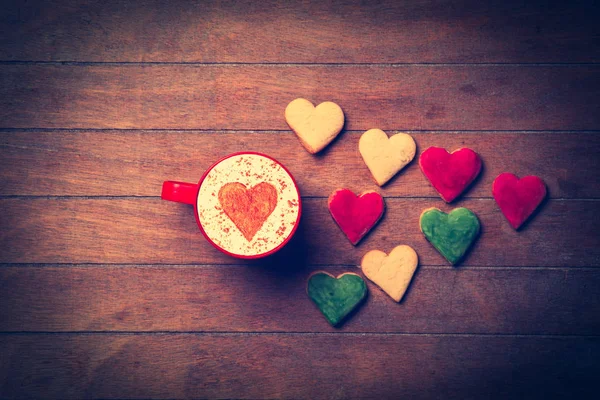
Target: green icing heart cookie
<point>451,234</point>
<point>336,297</point>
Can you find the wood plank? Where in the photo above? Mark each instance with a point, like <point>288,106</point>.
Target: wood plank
<point>255,299</point>
<point>92,163</point>
<point>72,230</point>
<point>385,31</point>
<point>315,366</point>
<point>463,97</point>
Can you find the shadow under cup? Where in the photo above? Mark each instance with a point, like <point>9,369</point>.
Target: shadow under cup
<point>247,204</point>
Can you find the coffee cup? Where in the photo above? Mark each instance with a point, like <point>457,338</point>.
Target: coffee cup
<point>247,204</point>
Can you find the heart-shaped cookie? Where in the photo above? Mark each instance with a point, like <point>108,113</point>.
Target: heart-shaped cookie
<point>451,234</point>
<point>518,198</point>
<point>247,208</point>
<point>316,126</point>
<point>450,173</point>
<point>386,156</point>
<point>355,215</point>
<point>336,297</point>
<point>392,272</point>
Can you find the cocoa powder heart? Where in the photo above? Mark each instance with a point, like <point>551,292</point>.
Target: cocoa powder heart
<point>247,208</point>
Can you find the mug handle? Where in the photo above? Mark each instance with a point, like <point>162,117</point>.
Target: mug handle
<point>181,192</point>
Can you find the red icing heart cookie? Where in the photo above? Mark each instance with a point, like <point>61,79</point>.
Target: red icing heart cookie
<point>450,173</point>
<point>355,215</point>
<point>518,198</point>
<point>248,208</point>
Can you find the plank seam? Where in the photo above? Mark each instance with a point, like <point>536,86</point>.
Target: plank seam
<point>284,333</point>
<point>134,197</point>
<point>308,267</point>
<point>297,64</point>
<point>288,131</point>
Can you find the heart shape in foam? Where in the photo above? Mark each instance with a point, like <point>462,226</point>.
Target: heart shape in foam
<point>392,272</point>
<point>450,173</point>
<point>316,126</point>
<point>518,198</point>
<point>336,297</point>
<point>247,208</point>
<point>355,215</point>
<point>386,156</point>
<point>451,234</point>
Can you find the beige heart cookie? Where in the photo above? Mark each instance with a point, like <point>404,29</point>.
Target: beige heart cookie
<point>316,126</point>
<point>393,272</point>
<point>386,156</point>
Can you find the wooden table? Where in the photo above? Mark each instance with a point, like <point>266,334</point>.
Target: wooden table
<point>106,291</point>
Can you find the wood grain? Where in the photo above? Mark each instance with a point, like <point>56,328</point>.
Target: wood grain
<point>463,97</point>
<point>102,163</point>
<point>273,299</point>
<point>310,31</point>
<point>72,230</point>
<point>104,294</point>
<point>311,367</point>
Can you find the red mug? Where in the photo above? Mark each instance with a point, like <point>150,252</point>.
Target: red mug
<point>247,204</point>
